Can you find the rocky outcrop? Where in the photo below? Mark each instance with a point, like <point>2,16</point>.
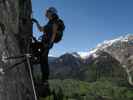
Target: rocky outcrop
<point>122,50</point>
<point>15,31</point>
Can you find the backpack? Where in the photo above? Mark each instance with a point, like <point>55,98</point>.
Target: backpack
<point>61,28</point>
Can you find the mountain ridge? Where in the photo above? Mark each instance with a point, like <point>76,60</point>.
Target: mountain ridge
<point>120,49</point>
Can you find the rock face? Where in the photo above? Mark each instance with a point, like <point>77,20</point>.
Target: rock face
<point>122,50</point>
<point>15,31</point>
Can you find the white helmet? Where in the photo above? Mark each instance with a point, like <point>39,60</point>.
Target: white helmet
<point>52,10</point>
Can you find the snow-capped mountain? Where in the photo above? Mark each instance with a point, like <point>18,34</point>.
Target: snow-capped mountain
<point>118,43</point>
<point>115,43</point>
<point>120,49</point>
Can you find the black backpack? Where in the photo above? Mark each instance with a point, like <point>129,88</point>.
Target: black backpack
<point>61,28</point>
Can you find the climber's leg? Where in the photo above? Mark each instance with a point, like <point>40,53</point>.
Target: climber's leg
<point>44,65</point>
<point>44,89</point>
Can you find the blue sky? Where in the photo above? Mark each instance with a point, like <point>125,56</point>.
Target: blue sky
<point>88,22</point>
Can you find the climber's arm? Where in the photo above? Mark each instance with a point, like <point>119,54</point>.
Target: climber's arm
<point>40,28</point>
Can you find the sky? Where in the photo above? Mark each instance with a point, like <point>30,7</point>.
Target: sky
<point>88,22</point>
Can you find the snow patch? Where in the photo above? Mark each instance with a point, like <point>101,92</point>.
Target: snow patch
<point>85,55</point>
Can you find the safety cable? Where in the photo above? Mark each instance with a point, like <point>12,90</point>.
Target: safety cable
<point>33,85</point>
<point>11,67</point>
<point>27,56</point>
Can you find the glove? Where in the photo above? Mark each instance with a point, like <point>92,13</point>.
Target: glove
<point>50,45</point>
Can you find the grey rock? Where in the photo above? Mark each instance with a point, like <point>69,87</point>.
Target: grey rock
<point>15,31</point>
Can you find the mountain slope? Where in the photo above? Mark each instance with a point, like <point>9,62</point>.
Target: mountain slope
<point>111,55</point>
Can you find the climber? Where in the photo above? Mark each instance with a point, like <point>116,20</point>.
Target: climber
<point>53,32</point>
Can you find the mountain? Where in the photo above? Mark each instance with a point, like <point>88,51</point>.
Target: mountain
<point>122,50</point>
<point>108,57</point>
<point>66,66</point>
<point>51,59</point>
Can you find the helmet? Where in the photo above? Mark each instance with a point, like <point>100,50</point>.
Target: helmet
<point>52,10</point>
